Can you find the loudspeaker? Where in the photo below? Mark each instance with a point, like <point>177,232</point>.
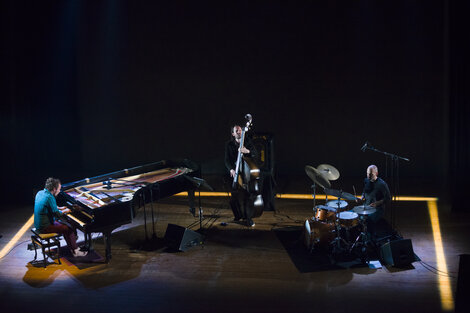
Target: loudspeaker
<point>462,301</point>
<point>181,239</point>
<point>397,252</point>
<point>264,144</point>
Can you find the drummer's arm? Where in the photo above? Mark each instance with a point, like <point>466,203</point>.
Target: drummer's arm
<point>386,197</point>
<point>377,203</point>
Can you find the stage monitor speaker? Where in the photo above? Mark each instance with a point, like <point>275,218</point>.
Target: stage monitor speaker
<point>263,143</point>
<point>181,239</point>
<point>397,252</point>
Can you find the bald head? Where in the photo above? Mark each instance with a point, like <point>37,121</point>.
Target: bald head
<point>372,173</point>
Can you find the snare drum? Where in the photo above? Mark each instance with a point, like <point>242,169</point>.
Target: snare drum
<point>324,213</point>
<point>348,219</point>
<point>317,234</point>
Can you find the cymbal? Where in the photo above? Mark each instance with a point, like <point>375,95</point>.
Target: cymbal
<point>340,194</point>
<point>337,203</point>
<point>364,209</point>
<point>325,207</point>
<point>317,177</point>
<point>330,172</point>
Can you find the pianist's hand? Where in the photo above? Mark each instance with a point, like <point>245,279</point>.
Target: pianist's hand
<point>65,210</point>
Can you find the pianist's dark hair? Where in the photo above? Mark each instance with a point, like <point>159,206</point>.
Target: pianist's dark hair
<point>52,183</point>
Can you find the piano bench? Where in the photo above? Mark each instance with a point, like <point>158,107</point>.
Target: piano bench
<point>45,242</point>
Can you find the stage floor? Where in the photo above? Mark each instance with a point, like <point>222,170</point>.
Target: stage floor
<point>238,269</point>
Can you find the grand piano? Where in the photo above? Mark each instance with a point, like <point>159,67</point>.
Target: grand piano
<point>104,203</point>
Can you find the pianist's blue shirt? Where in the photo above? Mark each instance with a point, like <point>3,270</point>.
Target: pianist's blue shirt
<point>45,209</point>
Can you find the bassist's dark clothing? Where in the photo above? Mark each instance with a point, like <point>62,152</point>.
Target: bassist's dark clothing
<point>231,152</point>
<point>241,201</point>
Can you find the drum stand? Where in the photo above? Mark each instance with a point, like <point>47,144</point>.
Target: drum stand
<point>338,244</point>
<point>362,240</point>
<point>314,187</point>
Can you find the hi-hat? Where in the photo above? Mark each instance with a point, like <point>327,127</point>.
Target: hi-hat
<point>340,194</point>
<point>364,209</point>
<point>330,172</point>
<point>317,177</point>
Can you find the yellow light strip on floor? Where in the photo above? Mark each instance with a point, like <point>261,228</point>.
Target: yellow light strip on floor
<point>205,194</point>
<point>447,299</point>
<point>408,198</point>
<point>17,237</point>
<point>298,196</point>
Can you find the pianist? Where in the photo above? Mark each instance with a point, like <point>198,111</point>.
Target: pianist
<point>46,213</point>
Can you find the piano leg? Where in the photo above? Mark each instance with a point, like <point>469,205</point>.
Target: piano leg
<point>88,242</point>
<point>107,243</point>
<point>191,202</point>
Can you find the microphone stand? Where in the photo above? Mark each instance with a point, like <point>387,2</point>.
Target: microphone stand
<point>314,187</point>
<point>395,177</point>
<point>198,183</point>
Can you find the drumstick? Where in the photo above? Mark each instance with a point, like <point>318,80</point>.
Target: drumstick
<point>355,196</point>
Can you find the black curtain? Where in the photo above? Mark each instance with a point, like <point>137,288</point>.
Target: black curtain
<point>38,112</point>
<point>459,92</point>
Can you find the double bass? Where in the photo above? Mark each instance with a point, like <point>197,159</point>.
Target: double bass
<point>247,173</point>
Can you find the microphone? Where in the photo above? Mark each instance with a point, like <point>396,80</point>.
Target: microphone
<point>248,117</point>
<point>365,146</point>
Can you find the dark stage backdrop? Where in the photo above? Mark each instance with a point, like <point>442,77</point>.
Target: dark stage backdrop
<point>97,86</point>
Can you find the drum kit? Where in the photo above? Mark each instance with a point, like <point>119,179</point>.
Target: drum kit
<point>333,225</point>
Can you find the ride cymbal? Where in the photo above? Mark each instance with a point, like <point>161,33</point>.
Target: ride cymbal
<point>340,194</point>
<point>317,177</point>
<point>330,172</point>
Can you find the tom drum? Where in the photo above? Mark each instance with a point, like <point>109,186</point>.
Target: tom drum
<point>324,213</point>
<point>348,219</point>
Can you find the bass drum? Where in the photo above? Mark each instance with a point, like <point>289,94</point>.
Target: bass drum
<point>318,234</point>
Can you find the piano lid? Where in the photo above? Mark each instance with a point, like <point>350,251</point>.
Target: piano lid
<point>121,186</point>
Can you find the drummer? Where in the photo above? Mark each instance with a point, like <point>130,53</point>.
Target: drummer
<point>377,195</point>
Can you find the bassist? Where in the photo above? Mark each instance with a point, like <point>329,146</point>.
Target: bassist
<point>242,200</point>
